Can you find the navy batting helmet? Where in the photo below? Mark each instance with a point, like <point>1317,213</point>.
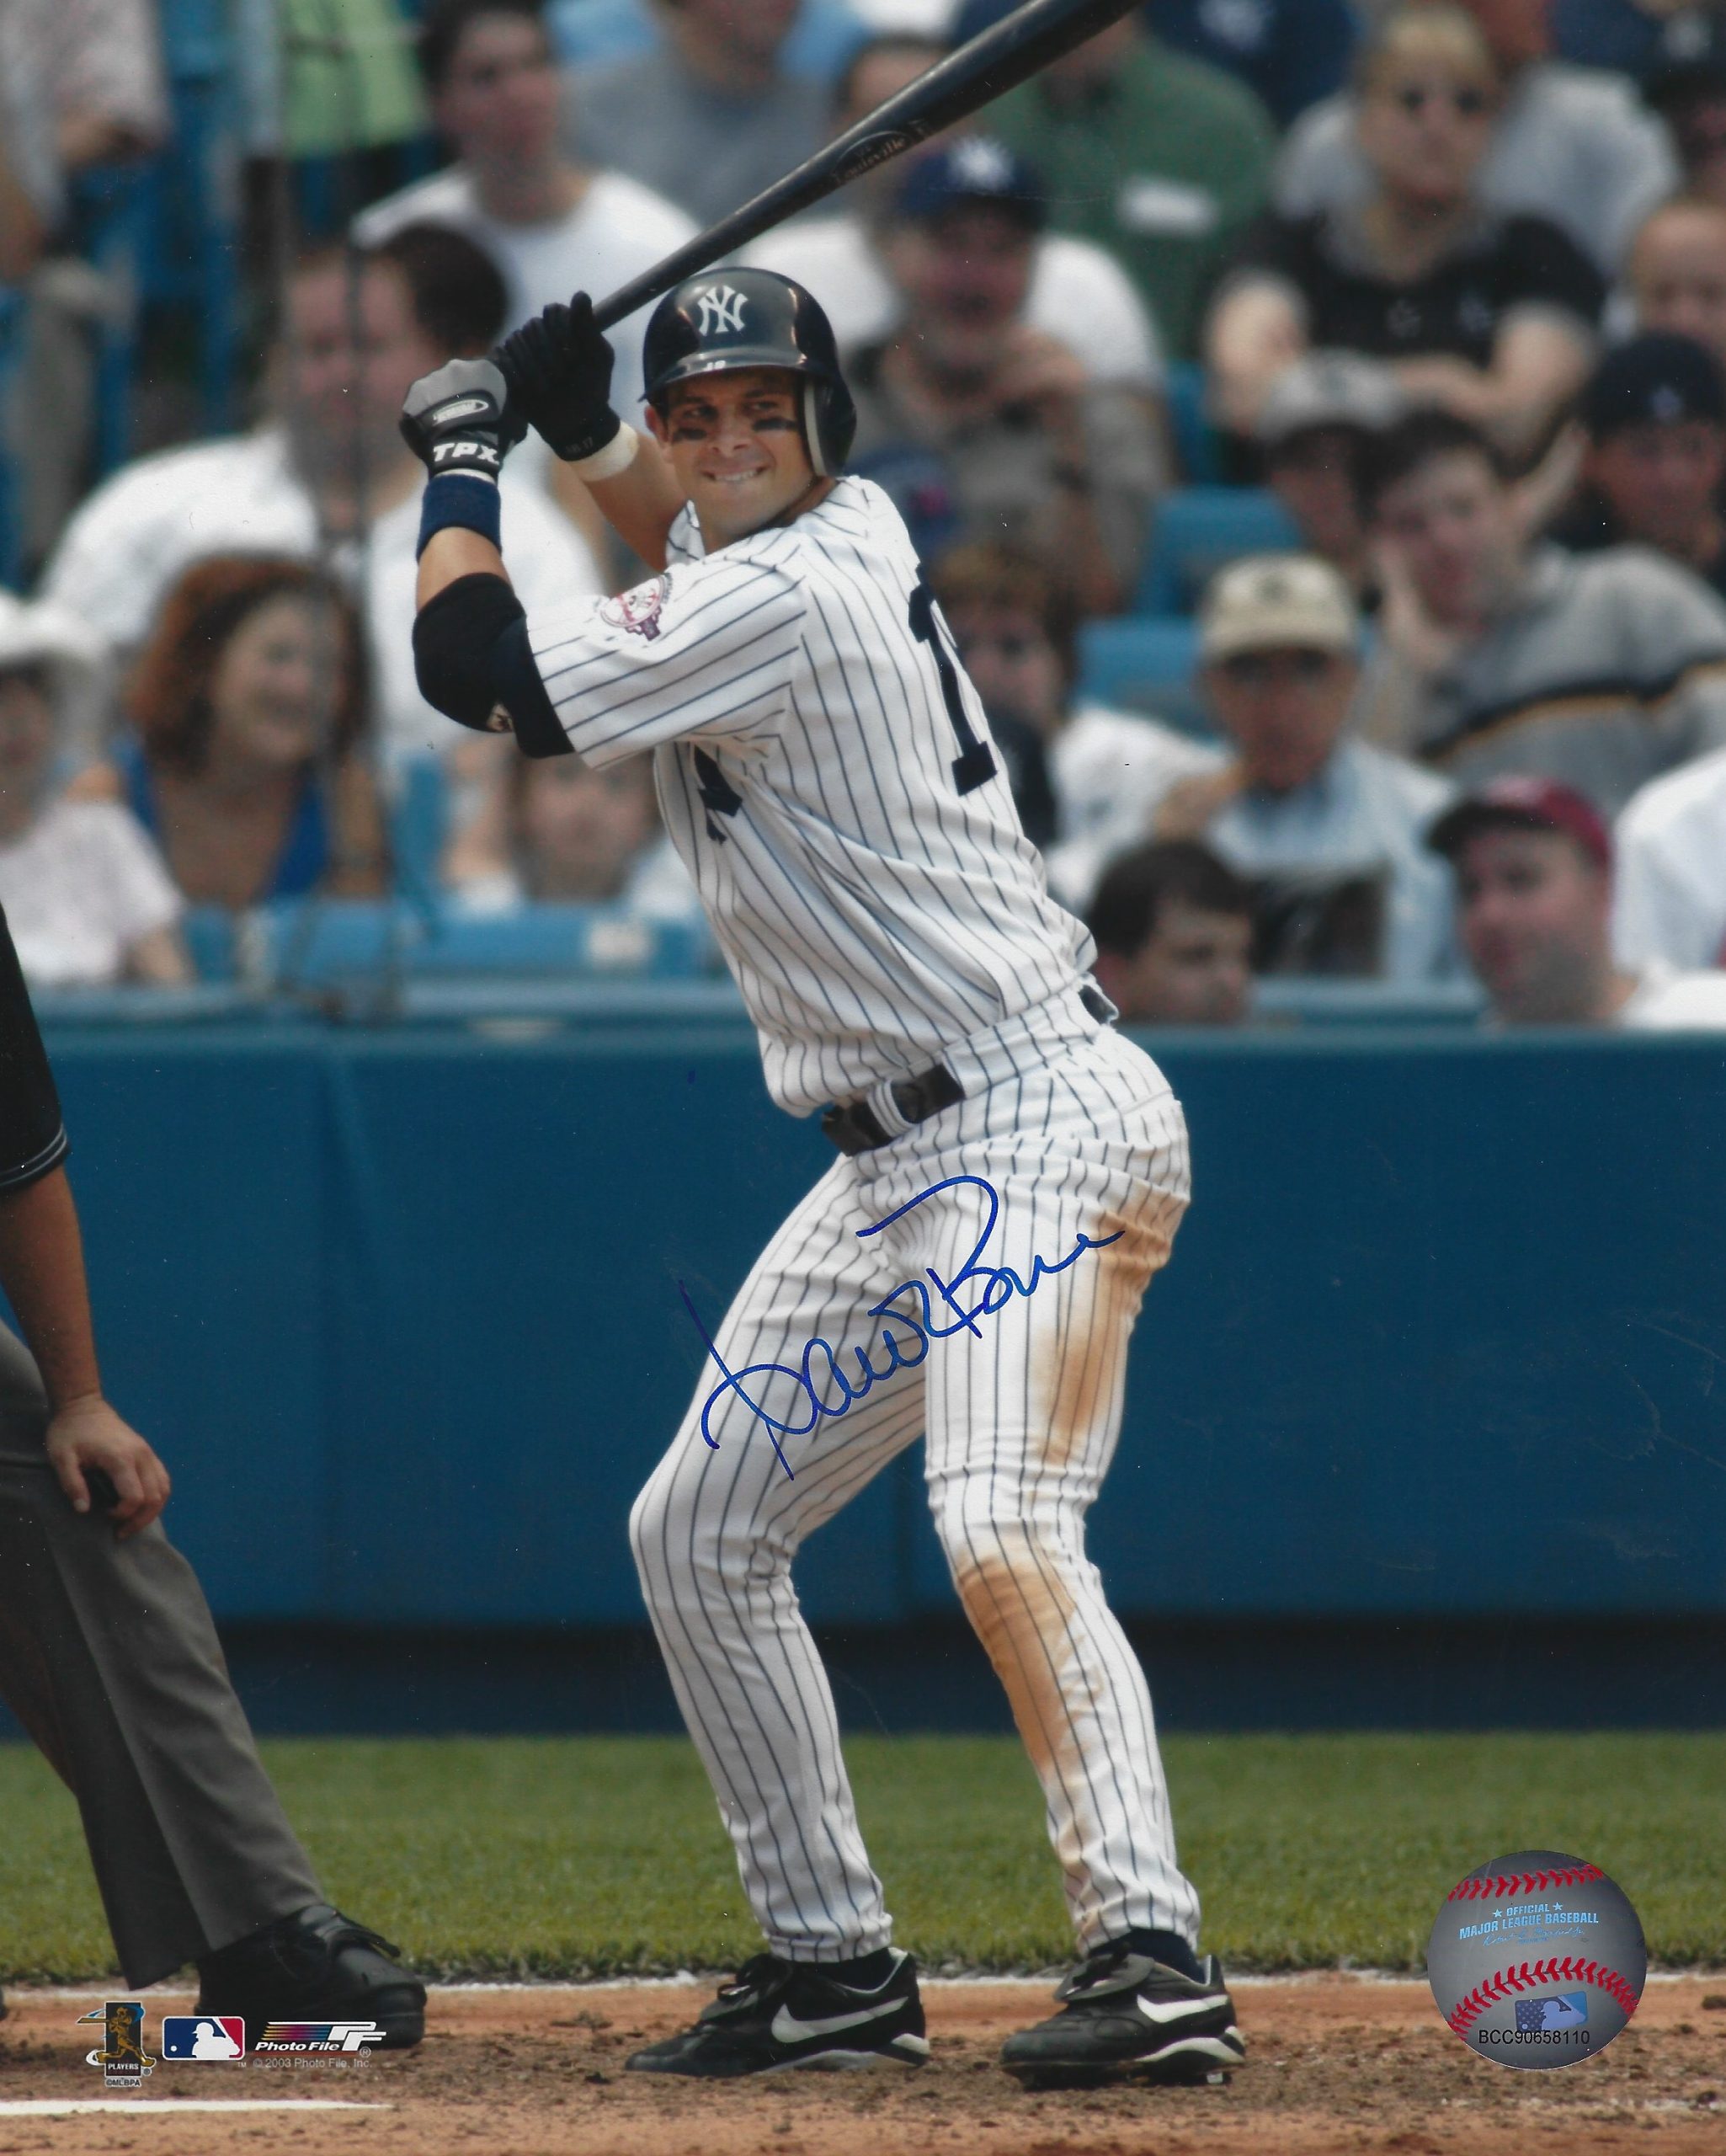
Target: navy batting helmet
<point>729,319</point>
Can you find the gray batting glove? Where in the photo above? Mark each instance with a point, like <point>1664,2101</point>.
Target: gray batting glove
<point>458,418</point>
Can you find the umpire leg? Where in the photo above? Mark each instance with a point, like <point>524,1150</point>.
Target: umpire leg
<point>108,1658</point>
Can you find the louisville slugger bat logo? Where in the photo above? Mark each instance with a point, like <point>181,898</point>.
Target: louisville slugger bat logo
<point>878,149</point>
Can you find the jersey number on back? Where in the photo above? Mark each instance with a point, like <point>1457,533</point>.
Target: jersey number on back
<point>976,760</point>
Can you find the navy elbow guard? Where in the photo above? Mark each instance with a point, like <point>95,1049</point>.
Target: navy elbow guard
<point>471,653</point>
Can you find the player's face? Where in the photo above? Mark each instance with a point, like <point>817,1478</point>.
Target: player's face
<point>585,828</point>
<point>1283,708</point>
<point>1661,478</point>
<point>276,686</point>
<point>1451,524</point>
<point>1678,274</point>
<point>1193,969</point>
<point>1011,661</point>
<point>736,444</point>
<point>498,104</point>
<point>349,360</point>
<point>26,739</point>
<point>1532,909</point>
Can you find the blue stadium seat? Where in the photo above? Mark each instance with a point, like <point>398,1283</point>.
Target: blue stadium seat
<point>299,943</point>
<point>1198,452</point>
<point>1144,666</point>
<point>417,823</point>
<point>568,940</point>
<point>209,931</point>
<point>1195,530</point>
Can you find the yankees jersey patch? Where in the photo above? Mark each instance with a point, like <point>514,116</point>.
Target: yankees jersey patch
<point>825,770</point>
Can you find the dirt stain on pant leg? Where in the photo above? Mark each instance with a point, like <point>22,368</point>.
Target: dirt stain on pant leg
<point>1022,1610</point>
<point>1077,1369</point>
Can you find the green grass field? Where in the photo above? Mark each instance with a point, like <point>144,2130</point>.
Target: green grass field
<point>589,1856</point>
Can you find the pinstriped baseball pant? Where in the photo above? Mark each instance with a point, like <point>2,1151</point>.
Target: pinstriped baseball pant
<point>1020,1405</point>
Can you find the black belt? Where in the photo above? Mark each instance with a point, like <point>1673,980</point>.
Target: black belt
<point>857,1129</point>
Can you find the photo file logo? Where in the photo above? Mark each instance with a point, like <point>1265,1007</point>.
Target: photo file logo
<point>350,2036</point>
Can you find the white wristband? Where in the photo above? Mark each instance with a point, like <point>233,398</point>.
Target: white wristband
<point>617,456</point>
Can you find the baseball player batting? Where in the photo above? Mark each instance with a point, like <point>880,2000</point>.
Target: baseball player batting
<point>1009,1171</point>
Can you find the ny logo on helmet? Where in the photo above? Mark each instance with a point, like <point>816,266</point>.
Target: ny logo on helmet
<point>721,311</point>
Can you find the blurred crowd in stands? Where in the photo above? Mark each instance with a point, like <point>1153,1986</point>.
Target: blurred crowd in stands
<point>1311,413</point>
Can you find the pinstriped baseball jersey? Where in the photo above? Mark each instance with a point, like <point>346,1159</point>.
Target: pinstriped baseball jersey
<point>824,770</point>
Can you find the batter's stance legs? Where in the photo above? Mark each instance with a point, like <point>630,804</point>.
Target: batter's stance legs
<point>1022,1412</point>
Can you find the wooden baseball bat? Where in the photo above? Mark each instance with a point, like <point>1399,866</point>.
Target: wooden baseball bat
<point>992,63</point>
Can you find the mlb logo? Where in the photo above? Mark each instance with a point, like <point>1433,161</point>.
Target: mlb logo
<point>203,2035</point>
<point>1569,2010</point>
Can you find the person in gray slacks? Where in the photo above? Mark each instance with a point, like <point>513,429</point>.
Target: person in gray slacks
<point>107,1655</point>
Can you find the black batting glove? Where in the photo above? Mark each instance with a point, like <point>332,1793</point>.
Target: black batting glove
<point>458,419</point>
<point>558,368</point>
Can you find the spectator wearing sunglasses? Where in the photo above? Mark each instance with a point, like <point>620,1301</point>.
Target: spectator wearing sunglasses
<point>1489,316</point>
<point>1329,831</point>
<point>1572,144</point>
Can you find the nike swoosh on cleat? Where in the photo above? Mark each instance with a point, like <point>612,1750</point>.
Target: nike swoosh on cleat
<point>1217,2047</point>
<point>1176,2009</point>
<point>787,2028</point>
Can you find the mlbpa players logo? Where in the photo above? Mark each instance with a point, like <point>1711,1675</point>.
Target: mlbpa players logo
<point>722,312</point>
<point>203,2035</point>
<point>122,2058</point>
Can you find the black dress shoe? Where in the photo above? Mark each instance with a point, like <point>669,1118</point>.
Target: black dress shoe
<point>315,1966</point>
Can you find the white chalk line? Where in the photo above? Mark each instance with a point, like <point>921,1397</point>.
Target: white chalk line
<point>62,2107</point>
<point>689,1980</point>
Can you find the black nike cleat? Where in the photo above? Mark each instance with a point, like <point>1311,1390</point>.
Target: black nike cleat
<point>775,2015</point>
<point>1125,2017</point>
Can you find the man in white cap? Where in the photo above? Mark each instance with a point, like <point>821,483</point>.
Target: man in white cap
<point>1331,828</point>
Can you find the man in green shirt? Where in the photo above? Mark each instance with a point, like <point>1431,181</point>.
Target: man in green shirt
<point>1160,159</point>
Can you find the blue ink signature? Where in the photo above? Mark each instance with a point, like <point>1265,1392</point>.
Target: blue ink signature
<point>822,1366</point>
